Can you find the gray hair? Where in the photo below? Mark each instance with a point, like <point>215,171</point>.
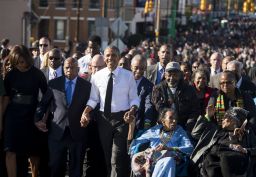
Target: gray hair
<point>140,58</point>
<point>164,111</point>
<point>114,48</point>
<point>236,63</point>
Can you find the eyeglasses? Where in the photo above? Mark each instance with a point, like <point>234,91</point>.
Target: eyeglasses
<point>227,83</point>
<point>41,45</point>
<point>53,58</point>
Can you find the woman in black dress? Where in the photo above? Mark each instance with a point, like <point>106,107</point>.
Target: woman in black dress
<point>22,85</point>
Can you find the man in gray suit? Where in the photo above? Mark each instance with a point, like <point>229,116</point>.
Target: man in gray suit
<point>54,68</point>
<point>67,96</point>
<point>155,72</point>
<point>214,80</point>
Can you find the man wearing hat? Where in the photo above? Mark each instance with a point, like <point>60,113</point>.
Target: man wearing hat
<point>174,93</point>
<point>34,49</point>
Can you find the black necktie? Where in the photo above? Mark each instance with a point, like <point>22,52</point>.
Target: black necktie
<point>108,99</point>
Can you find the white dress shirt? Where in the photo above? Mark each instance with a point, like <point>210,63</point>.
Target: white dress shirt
<point>83,63</point>
<point>213,71</point>
<point>124,94</point>
<point>58,72</point>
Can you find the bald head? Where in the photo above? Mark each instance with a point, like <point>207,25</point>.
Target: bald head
<point>215,60</point>
<point>97,63</point>
<point>71,68</point>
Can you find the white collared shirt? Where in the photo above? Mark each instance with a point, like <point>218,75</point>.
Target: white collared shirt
<point>83,63</point>
<point>213,71</point>
<point>124,90</point>
<point>238,84</point>
<point>58,72</point>
<point>138,82</point>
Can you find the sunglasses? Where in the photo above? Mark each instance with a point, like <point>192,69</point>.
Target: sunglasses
<point>41,45</point>
<point>227,83</point>
<point>53,58</point>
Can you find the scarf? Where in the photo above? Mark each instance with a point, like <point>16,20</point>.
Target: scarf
<point>220,107</point>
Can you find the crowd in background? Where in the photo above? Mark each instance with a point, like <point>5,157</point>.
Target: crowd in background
<point>190,107</point>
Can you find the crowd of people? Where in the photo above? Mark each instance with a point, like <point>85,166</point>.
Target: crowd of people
<point>184,108</point>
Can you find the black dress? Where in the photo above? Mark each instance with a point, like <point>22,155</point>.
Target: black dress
<point>20,133</point>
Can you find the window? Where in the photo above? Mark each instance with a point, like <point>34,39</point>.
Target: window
<point>75,3</point>
<point>43,3</point>
<point>94,4</point>
<point>43,28</point>
<point>60,3</point>
<point>91,27</point>
<point>60,29</point>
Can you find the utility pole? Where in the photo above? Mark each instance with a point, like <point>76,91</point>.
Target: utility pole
<point>104,12</point>
<point>77,20</point>
<point>172,24</point>
<point>158,21</point>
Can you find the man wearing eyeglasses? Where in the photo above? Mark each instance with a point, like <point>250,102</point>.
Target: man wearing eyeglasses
<point>44,46</point>
<point>230,96</point>
<point>54,68</point>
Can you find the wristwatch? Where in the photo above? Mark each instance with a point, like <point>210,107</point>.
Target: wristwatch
<point>135,108</point>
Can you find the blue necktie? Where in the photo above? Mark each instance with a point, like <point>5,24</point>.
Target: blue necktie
<point>69,92</point>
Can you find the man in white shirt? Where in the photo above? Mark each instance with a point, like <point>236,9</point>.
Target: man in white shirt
<point>215,61</point>
<point>44,47</point>
<point>116,87</point>
<point>93,48</point>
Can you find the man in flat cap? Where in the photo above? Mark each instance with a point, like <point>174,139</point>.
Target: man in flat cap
<point>174,93</point>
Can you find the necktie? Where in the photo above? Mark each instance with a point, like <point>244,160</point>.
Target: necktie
<point>54,74</point>
<point>108,99</point>
<point>69,92</point>
<point>162,74</point>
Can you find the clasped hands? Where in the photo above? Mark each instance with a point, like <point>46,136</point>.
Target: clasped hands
<point>41,124</point>
<point>129,116</point>
<point>85,119</point>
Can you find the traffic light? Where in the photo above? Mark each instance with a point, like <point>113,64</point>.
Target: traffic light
<point>203,5</point>
<point>146,7</point>
<point>245,7</point>
<point>252,7</point>
<point>149,5</point>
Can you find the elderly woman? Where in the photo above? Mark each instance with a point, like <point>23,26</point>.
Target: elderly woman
<point>200,79</point>
<point>225,151</point>
<point>22,85</point>
<point>168,147</point>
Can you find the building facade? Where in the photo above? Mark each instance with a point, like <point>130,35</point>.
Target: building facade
<point>58,19</point>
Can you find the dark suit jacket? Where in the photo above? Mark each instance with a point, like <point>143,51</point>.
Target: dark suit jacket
<point>151,73</point>
<point>37,62</point>
<point>64,115</point>
<point>46,72</point>
<point>146,108</point>
<point>185,100</point>
<point>248,87</point>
